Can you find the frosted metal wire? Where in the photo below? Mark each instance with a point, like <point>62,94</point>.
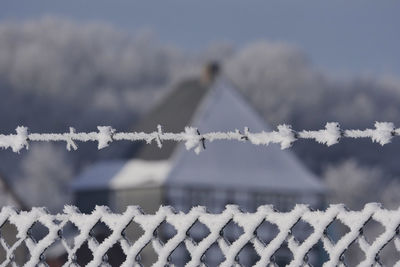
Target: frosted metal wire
<point>319,221</point>
<point>285,136</point>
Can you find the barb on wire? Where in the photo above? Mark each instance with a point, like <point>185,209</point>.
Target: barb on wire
<point>284,136</point>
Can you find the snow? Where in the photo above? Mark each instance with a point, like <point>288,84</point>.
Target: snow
<point>182,222</point>
<point>104,137</point>
<point>98,175</point>
<point>144,173</point>
<point>122,174</point>
<point>329,136</point>
<point>382,134</point>
<point>285,136</point>
<point>192,135</point>
<point>15,141</point>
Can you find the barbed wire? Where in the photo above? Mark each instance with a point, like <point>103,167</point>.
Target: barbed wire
<point>285,136</point>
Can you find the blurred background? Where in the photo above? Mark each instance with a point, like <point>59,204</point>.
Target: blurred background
<point>133,65</point>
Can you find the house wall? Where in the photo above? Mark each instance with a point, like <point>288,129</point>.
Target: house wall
<point>86,201</point>
<point>148,198</point>
<point>183,198</point>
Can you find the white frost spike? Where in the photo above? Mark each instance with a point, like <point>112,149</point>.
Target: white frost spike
<point>284,136</point>
<point>158,139</point>
<point>329,136</point>
<point>193,139</point>
<point>333,133</point>
<point>199,149</point>
<point>383,133</point>
<point>70,142</point>
<point>287,136</point>
<point>20,140</point>
<point>104,137</point>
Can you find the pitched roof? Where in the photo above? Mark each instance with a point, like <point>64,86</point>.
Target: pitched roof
<point>122,174</point>
<point>239,165</point>
<point>174,113</point>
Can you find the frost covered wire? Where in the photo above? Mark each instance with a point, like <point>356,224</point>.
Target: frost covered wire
<point>285,136</point>
<point>218,229</point>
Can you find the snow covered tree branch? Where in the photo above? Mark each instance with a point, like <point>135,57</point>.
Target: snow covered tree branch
<point>285,136</point>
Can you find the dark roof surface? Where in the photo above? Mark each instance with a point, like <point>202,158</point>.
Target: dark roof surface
<point>174,113</point>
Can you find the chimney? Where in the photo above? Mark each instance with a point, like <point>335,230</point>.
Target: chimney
<point>210,72</point>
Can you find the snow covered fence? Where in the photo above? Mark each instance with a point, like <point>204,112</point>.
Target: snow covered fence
<point>285,222</point>
<point>285,136</point>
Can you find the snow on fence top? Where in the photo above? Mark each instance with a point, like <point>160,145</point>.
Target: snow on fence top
<point>285,222</point>
<point>285,136</point>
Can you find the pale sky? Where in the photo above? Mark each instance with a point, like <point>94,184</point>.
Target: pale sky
<point>344,37</point>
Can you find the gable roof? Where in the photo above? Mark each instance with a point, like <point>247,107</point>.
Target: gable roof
<point>173,113</point>
<point>240,165</point>
<point>122,174</point>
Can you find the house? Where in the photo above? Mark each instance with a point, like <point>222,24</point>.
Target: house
<point>225,173</point>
